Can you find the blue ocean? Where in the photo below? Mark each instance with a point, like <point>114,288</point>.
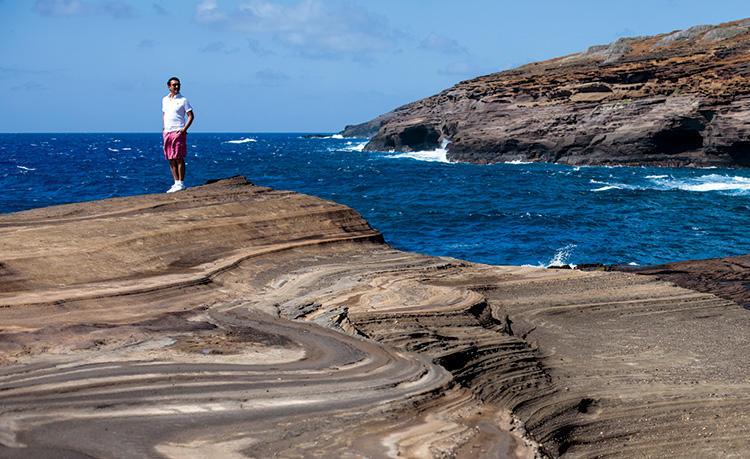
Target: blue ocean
<point>512,213</point>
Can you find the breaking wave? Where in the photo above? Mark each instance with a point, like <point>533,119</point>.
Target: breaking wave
<point>701,184</point>
<point>436,155</point>
<point>705,183</point>
<point>243,140</point>
<point>561,257</point>
<point>351,146</point>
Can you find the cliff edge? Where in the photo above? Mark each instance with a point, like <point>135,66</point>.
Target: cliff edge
<point>677,99</point>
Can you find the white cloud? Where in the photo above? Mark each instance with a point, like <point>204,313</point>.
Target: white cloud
<point>218,47</point>
<point>309,27</point>
<point>114,8</point>
<point>214,47</point>
<point>30,86</point>
<point>270,77</point>
<point>208,11</point>
<point>59,7</point>
<point>441,44</point>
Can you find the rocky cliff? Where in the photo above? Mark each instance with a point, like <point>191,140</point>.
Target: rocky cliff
<point>677,99</point>
<point>232,320</point>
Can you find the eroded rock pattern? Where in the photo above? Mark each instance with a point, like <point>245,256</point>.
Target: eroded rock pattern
<point>232,320</point>
<point>679,99</point>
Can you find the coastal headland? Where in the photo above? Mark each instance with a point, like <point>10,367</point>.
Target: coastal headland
<point>676,99</point>
<point>233,320</point>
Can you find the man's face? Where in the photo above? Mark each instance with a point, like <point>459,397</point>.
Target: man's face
<point>174,86</point>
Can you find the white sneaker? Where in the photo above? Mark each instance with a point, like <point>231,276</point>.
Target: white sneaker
<point>176,187</point>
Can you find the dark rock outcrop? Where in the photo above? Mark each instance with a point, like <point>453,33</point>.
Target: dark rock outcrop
<point>679,99</point>
<point>724,277</point>
<point>368,129</point>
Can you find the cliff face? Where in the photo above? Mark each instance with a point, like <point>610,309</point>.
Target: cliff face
<point>232,320</point>
<point>678,99</point>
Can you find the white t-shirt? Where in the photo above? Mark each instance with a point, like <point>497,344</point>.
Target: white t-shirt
<point>174,109</point>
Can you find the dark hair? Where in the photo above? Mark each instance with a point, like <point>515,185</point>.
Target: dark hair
<point>173,78</point>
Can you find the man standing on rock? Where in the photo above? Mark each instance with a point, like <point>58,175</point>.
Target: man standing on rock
<point>174,109</point>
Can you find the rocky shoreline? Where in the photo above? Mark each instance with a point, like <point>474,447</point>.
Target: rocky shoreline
<point>676,99</point>
<point>727,277</point>
<point>232,319</point>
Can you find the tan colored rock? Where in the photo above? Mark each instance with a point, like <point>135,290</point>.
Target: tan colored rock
<point>232,320</point>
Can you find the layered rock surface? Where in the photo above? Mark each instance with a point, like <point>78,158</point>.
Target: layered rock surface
<point>234,320</point>
<point>678,99</point>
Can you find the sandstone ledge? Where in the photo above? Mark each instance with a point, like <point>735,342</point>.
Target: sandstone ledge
<point>234,319</point>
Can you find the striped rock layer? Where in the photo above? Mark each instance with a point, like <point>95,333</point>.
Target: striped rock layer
<point>231,320</point>
<point>676,99</point>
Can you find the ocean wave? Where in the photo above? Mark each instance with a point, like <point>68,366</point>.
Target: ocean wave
<point>24,168</point>
<point>437,155</point>
<point>702,184</point>
<point>320,136</point>
<point>561,257</point>
<point>705,183</point>
<point>351,146</point>
<point>243,140</point>
<point>607,188</point>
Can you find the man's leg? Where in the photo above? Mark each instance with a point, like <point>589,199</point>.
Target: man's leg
<point>174,167</point>
<point>180,169</point>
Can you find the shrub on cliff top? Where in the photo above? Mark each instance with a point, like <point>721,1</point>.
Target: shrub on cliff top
<point>723,33</point>
<point>683,35</point>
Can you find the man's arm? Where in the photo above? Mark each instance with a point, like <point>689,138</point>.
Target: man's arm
<point>189,121</point>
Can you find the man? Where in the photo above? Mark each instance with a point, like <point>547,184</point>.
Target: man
<point>174,109</point>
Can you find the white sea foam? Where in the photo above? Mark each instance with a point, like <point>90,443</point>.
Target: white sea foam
<point>436,155</point>
<point>561,257</point>
<point>243,140</point>
<point>112,149</point>
<point>126,149</point>
<point>606,188</point>
<point>24,168</point>
<point>351,146</point>
<point>332,136</point>
<point>705,183</point>
<point>518,161</point>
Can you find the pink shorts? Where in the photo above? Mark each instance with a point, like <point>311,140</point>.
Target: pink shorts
<point>175,145</point>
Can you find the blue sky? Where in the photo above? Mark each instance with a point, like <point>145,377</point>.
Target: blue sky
<point>287,65</point>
